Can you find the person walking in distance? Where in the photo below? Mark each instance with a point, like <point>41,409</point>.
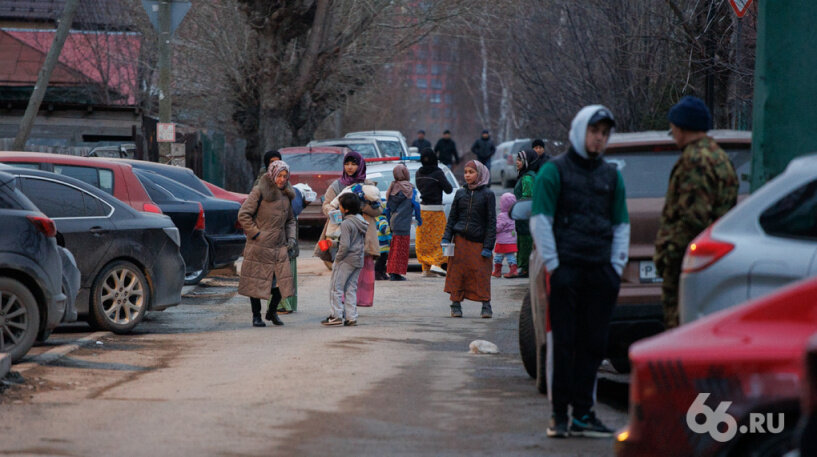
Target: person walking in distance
<point>581,229</point>
<point>401,204</point>
<point>269,223</point>
<point>703,186</point>
<point>472,228</point>
<point>431,182</point>
<point>421,142</point>
<point>527,164</point>
<point>446,150</point>
<point>348,263</point>
<point>484,149</point>
<point>505,248</point>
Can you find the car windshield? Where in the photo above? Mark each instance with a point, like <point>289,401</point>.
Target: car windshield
<point>314,161</point>
<point>367,150</point>
<point>390,148</point>
<point>646,174</point>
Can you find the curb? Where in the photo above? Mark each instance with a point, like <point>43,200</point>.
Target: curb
<point>59,352</point>
<point>5,364</point>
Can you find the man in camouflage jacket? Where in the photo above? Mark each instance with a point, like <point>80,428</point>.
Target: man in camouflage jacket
<point>703,186</point>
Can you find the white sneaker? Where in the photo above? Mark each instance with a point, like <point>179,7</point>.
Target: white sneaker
<point>437,270</point>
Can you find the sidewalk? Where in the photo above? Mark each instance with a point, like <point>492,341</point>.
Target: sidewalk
<point>307,265</point>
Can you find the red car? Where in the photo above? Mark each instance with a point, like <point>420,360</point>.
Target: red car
<point>225,194</point>
<point>318,167</point>
<point>808,427</point>
<point>726,385</point>
<point>115,178</point>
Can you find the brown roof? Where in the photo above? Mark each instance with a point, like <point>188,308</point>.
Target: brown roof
<point>91,14</point>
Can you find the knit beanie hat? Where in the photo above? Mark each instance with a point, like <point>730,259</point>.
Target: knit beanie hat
<point>690,113</point>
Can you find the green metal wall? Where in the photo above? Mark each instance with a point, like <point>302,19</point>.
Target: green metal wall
<point>785,111</point>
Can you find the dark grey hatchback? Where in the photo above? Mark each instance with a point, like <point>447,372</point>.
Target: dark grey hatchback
<point>31,297</point>
<point>129,260</point>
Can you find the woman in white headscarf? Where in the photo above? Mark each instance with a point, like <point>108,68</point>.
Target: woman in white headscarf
<point>472,228</point>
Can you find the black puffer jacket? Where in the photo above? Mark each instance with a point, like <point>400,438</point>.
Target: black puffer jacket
<point>432,186</point>
<point>473,215</point>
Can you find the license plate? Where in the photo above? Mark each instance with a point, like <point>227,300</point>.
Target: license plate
<point>647,273</point>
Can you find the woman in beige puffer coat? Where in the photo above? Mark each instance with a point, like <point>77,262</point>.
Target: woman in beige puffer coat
<point>269,225</point>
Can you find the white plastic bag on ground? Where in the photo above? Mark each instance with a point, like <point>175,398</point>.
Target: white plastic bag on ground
<point>483,347</point>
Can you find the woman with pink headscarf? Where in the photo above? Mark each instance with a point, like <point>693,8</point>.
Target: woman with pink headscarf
<point>269,223</point>
<point>471,228</point>
<point>401,204</point>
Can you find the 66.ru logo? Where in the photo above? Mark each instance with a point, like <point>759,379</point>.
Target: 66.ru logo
<point>713,419</point>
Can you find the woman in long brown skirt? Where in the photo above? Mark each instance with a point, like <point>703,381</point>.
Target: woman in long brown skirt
<point>472,228</point>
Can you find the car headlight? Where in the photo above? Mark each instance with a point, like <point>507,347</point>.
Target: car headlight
<point>173,234</point>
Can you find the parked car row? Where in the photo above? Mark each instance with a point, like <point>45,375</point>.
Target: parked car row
<point>320,162</point>
<point>103,240</point>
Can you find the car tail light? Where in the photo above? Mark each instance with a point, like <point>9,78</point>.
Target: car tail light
<point>44,225</point>
<point>151,208</point>
<point>510,159</point>
<point>704,251</point>
<point>200,219</point>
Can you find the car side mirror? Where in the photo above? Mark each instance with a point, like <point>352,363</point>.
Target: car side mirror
<point>413,150</point>
<point>520,211</point>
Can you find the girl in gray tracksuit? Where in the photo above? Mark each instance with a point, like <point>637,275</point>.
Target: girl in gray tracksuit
<point>348,263</point>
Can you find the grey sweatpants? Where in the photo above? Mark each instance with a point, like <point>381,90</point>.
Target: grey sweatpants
<point>344,281</point>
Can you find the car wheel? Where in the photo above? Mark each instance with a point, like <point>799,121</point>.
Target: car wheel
<point>121,296</point>
<point>527,337</point>
<point>195,277</point>
<point>19,318</point>
<point>541,369</point>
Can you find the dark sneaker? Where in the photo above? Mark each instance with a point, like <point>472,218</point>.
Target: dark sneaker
<point>557,427</point>
<point>486,310</point>
<point>456,309</point>
<point>332,321</point>
<point>349,323</point>
<point>589,425</point>
<point>396,277</point>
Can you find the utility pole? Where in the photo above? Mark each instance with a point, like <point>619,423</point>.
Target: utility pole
<point>63,27</point>
<point>164,75</point>
<point>785,87</point>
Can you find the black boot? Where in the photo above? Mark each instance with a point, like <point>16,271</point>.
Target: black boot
<point>486,310</point>
<point>272,316</point>
<point>272,309</point>
<point>255,304</point>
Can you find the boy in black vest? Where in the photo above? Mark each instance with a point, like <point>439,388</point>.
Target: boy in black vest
<point>581,229</point>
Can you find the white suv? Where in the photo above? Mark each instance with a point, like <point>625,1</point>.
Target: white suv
<point>391,142</point>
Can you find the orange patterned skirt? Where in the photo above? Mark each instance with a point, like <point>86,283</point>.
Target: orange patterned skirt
<point>429,235</point>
